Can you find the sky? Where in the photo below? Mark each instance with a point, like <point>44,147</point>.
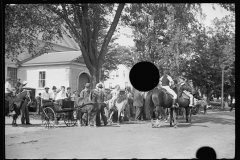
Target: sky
<point>207,9</point>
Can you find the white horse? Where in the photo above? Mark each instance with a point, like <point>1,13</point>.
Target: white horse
<point>119,106</point>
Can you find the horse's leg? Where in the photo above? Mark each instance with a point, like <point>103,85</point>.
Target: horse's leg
<point>188,110</point>
<point>110,118</point>
<point>157,116</point>
<point>119,115</point>
<point>95,119</point>
<point>177,112</point>
<point>88,118</point>
<point>184,112</point>
<point>80,118</point>
<point>190,115</point>
<point>171,117</point>
<point>174,117</point>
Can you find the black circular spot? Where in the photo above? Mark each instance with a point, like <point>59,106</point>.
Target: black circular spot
<point>144,76</point>
<point>206,153</point>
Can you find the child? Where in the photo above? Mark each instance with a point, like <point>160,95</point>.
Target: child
<point>38,98</point>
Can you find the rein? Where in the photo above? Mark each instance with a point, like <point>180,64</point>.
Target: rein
<point>28,95</point>
<point>79,107</point>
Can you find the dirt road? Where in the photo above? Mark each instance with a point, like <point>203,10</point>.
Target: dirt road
<point>129,140</point>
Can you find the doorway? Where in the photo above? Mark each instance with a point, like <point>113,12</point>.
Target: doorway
<point>82,80</point>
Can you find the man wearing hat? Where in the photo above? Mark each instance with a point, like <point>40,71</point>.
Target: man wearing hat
<point>183,80</point>
<point>86,91</point>
<point>46,99</point>
<point>165,82</point>
<point>53,94</point>
<point>8,94</point>
<point>101,105</point>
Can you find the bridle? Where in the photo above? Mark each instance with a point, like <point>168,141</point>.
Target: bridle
<point>28,96</point>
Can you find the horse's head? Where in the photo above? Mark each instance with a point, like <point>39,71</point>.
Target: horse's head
<point>26,94</point>
<point>188,86</point>
<point>93,95</point>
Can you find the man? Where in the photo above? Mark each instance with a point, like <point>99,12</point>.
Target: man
<point>86,91</point>
<point>101,105</point>
<point>54,93</point>
<point>38,98</point>
<point>8,95</point>
<point>61,96</point>
<point>130,102</point>
<point>183,80</point>
<point>19,86</point>
<point>46,99</point>
<point>25,114</point>
<point>165,82</point>
<point>68,92</point>
<point>102,84</point>
<point>138,104</point>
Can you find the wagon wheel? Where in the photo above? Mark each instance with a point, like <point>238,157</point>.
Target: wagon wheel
<point>69,119</point>
<point>48,117</point>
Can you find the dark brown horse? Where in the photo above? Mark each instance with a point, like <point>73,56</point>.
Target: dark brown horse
<point>160,99</point>
<point>183,100</point>
<point>87,105</point>
<point>17,103</point>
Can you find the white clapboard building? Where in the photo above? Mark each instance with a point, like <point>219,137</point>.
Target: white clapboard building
<point>119,76</point>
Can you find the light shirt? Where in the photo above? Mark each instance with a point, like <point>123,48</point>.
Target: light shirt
<point>53,95</point>
<point>61,95</point>
<point>7,86</point>
<point>45,96</point>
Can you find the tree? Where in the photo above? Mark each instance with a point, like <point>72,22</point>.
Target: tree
<point>24,24</point>
<point>88,24</point>
<point>213,49</point>
<point>162,31</point>
<point>85,22</point>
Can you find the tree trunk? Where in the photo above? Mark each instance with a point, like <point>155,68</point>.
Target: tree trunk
<point>96,74</point>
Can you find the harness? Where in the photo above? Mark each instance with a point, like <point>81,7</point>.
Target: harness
<point>28,95</point>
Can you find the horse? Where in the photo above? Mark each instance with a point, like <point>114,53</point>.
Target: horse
<point>120,104</point>
<point>183,100</point>
<point>161,98</point>
<point>17,102</point>
<point>87,105</point>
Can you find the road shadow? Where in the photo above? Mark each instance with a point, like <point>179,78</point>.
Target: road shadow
<point>212,119</point>
<point>179,125</point>
<point>26,126</point>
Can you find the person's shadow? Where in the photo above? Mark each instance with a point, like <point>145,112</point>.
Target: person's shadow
<point>206,153</point>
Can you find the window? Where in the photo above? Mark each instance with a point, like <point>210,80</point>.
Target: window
<point>110,85</point>
<point>123,73</point>
<point>12,72</point>
<point>126,84</point>
<point>117,74</point>
<point>42,79</point>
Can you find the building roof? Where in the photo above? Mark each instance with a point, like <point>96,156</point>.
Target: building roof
<point>55,57</point>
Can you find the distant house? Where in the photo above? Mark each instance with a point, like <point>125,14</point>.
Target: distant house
<point>119,76</point>
<point>55,69</point>
<point>65,44</point>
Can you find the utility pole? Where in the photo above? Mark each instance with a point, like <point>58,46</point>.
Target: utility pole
<point>222,102</point>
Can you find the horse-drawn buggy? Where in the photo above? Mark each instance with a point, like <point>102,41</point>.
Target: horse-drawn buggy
<point>53,112</point>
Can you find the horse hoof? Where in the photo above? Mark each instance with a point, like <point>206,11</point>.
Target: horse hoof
<point>175,126</point>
